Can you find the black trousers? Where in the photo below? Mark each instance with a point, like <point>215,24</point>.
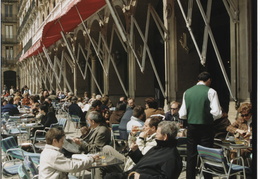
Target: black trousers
<point>197,134</point>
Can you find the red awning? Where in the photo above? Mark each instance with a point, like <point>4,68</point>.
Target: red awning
<point>66,22</point>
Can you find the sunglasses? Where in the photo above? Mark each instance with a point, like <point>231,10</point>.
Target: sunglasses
<point>174,108</point>
<point>244,115</point>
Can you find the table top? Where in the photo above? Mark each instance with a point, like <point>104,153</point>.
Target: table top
<point>71,146</point>
<point>109,160</point>
<point>231,145</point>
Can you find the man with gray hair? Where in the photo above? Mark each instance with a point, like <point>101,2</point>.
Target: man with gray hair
<point>162,161</point>
<point>98,136</point>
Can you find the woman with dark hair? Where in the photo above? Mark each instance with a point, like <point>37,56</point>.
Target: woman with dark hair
<point>47,118</point>
<point>151,106</point>
<point>116,115</point>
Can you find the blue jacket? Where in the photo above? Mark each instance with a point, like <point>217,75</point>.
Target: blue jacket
<point>12,109</point>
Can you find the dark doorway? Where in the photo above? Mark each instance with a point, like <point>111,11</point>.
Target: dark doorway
<point>10,79</point>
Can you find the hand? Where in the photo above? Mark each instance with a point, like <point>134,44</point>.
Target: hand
<point>77,141</point>
<point>95,157</point>
<point>240,131</point>
<point>143,134</point>
<point>133,146</point>
<point>248,134</point>
<point>136,175</point>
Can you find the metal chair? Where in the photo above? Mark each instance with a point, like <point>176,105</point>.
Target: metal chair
<point>22,172</point>
<point>38,140</point>
<point>10,167</point>
<point>11,148</point>
<point>214,162</point>
<point>29,164</point>
<point>182,148</point>
<point>116,135</point>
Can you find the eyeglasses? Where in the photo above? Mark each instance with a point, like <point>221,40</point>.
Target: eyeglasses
<point>174,109</point>
<point>244,115</point>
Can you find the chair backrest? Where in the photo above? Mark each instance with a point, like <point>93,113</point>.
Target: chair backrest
<point>28,161</point>
<point>75,118</point>
<point>182,146</point>
<point>22,172</point>
<point>212,157</point>
<point>9,143</point>
<point>115,130</point>
<point>62,122</point>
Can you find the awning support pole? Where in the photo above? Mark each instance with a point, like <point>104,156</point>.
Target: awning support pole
<point>122,33</point>
<point>89,67</point>
<point>114,64</point>
<point>205,37</point>
<point>94,46</point>
<point>50,63</point>
<point>74,62</point>
<point>215,48</point>
<point>188,24</point>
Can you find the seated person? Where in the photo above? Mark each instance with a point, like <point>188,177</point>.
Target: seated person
<point>161,161</point>
<point>126,118</point>
<point>116,115</point>
<point>47,118</point>
<point>53,164</point>
<point>98,136</point>
<point>145,141</point>
<point>242,127</point>
<point>173,114</point>
<point>220,126</point>
<point>75,110</point>
<point>151,106</point>
<point>137,119</point>
<point>26,100</point>
<point>10,107</point>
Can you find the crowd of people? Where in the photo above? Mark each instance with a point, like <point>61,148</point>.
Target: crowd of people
<point>151,133</point>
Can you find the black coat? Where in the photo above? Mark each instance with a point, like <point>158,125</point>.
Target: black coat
<point>49,119</point>
<point>162,161</point>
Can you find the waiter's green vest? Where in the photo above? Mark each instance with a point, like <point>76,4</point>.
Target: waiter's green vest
<point>198,105</point>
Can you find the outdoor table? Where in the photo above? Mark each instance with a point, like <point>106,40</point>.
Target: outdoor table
<point>108,161</point>
<point>230,146</point>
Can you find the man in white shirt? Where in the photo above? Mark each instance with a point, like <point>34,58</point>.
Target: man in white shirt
<point>200,106</point>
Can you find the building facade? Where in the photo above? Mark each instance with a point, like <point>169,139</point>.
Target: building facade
<point>136,48</point>
<point>10,47</point>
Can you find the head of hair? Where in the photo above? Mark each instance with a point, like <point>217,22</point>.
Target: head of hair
<point>138,111</point>
<point>154,121</point>
<point>54,133</point>
<point>96,103</point>
<point>121,106</point>
<point>95,116</point>
<point>204,76</point>
<point>33,98</point>
<point>74,99</point>
<point>105,100</point>
<point>25,94</point>
<point>3,101</point>
<point>98,97</point>
<point>17,98</point>
<point>44,108</point>
<point>151,103</point>
<point>169,128</point>
<point>175,102</point>
<point>245,108</point>
<point>10,100</point>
